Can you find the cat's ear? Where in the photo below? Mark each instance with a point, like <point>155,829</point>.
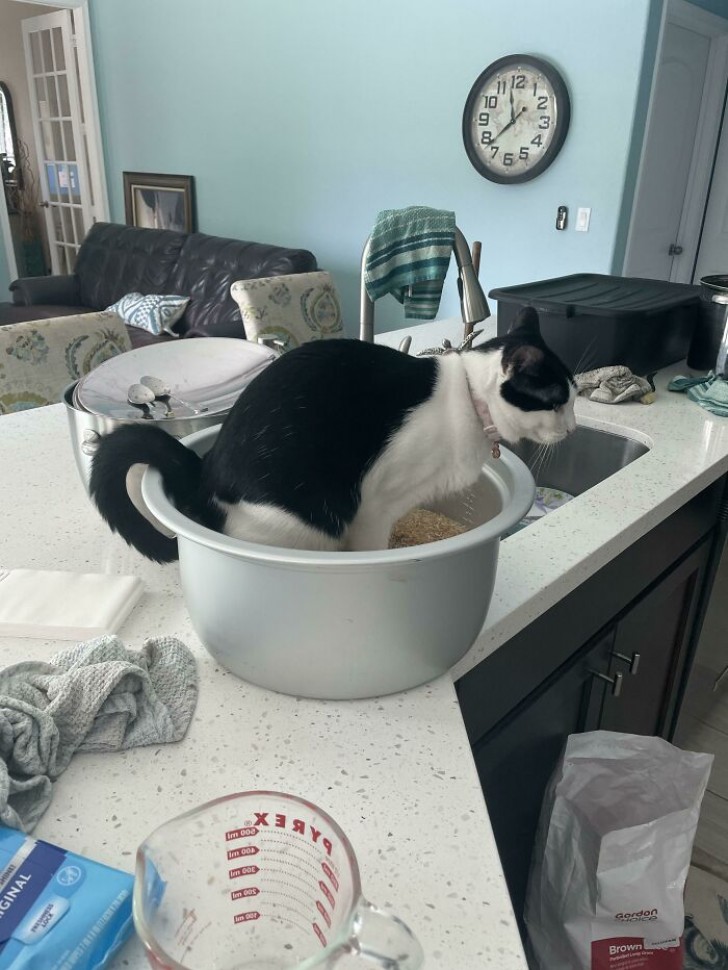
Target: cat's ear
<point>526,357</point>
<point>526,323</point>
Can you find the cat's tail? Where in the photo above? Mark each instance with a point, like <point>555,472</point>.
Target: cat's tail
<point>179,466</point>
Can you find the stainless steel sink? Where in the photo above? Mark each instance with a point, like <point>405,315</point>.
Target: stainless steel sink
<point>582,460</point>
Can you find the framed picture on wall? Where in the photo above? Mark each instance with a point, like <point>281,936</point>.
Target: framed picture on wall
<point>159,201</point>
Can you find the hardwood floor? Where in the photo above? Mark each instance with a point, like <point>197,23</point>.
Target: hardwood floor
<point>703,725</point>
<point>710,733</point>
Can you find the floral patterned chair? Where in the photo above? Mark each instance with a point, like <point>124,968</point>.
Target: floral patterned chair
<point>292,309</point>
<point>39,358</point>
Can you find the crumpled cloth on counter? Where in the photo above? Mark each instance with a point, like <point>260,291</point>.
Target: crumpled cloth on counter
<point>709,391</point>
<point>96,696</point>
<point>613,385</point>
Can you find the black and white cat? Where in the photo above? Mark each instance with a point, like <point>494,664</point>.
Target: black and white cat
<point>336,440</point>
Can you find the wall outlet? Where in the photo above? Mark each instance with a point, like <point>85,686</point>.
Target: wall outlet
<point>583,217</point>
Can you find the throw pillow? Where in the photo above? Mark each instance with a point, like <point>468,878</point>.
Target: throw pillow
<point>155,313</point>
<point>296,308</point>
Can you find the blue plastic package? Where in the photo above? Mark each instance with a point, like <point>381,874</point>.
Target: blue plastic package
<point>58,910</point>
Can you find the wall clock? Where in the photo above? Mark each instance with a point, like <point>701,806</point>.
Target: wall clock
<point>516,118</point>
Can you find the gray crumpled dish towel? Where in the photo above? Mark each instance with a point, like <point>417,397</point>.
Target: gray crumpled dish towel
<point>96,696</point>
<point>613,385</point>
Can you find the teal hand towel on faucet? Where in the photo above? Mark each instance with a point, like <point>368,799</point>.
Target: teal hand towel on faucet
<point>409,254</point>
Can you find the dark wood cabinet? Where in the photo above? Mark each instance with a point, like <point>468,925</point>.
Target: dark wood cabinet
<point>516,759</point>
<point>658,628</point>
<point>569,671</point>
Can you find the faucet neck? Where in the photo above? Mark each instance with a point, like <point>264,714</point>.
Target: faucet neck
<point>473,304</point>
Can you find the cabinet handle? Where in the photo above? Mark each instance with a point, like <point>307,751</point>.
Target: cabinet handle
<point>615,681</point>
<point>633,661</point>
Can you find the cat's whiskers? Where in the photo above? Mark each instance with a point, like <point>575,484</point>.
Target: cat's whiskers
<point>543,454</point>
<point>587,358</point>
<point>535,463</point>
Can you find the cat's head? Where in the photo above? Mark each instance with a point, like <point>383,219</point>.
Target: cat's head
<point>534,391</point>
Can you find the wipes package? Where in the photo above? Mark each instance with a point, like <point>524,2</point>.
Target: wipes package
<point>58,910</point>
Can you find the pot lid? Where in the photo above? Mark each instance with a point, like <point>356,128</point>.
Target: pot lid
<point>206,373</point>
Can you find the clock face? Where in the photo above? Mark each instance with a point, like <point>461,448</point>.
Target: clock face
<point>516,118</point>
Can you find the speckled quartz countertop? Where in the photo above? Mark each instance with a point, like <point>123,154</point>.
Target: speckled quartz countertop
<point>395,772</point>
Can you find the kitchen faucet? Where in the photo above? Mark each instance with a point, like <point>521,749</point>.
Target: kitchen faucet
<point>474,306</point>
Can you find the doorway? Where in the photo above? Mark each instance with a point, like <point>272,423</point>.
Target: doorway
<point>713,250</point>
<point>688,92</point>
<point>64,188</point>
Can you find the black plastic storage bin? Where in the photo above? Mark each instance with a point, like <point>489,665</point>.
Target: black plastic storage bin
<point>591,320</point>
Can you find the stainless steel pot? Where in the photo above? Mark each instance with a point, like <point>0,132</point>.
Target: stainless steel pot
<point>87,429</point>
<point>342,624</point>
<point>209,372</point>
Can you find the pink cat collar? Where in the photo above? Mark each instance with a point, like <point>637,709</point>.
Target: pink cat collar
<point>483,412</point>
<point>481,408</point>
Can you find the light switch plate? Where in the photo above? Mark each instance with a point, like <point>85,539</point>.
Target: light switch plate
<point>583,218</point>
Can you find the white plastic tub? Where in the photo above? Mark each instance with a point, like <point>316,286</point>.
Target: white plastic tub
<point>345,624</point>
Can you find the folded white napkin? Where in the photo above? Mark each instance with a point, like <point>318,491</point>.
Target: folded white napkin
<point>67,606</point>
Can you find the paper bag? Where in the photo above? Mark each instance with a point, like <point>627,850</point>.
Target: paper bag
<point>612,854</point>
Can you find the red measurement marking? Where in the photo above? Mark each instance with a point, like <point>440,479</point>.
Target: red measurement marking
<point>240,833</point>
<point>332,878</point>
<point>319,934</point>
<point>327,893</point>
<point>242,893</point>
<point>243,871</point>
<point>320,908</point>
<point>243,850</point>
<point>244,917</point>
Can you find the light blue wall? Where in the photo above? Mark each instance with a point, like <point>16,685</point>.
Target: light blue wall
<point>300,121</point>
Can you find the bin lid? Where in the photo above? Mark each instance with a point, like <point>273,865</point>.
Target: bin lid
<point>716,284</point>
<point>599,295</point>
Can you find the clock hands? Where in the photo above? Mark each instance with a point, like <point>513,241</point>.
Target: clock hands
<point>513,113</point>
<point>510,124</point>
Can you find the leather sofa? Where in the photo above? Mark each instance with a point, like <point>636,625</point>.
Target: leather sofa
<point>114,260</point>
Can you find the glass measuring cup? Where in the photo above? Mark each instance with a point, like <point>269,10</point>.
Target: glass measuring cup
<point>260,880</point>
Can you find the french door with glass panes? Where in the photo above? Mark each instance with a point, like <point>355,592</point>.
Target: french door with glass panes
<point>61,137</point>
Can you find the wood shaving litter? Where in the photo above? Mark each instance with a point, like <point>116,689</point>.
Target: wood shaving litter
<point>421,525</point>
